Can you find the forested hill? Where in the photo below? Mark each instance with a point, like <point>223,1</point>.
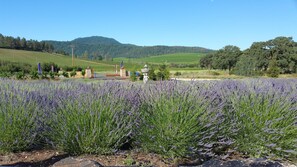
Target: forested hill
<point>97,47</point>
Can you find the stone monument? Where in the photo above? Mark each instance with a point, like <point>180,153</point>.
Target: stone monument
<point>88,73</point>
<point>122,70</point>
<point>145,71</point>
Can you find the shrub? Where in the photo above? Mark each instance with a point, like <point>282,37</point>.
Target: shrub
<point>48,67</point>
<point>20,75</point>
<point>94,122</point>
<point>18,115</point>
<point>133,77</point>
<point>83,73</point>
<point>65,74</point>
<point>273,70</point>
<point>163,73</point>
<point>44,75</point>
<point>177,73</point>
<point>173,120</point>
<point>52,74</point>
<point>73,73</point>
<point>261,119</point>
<point>34,74</point>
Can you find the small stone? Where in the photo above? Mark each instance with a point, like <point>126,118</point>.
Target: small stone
<point>73,162</point>
<point>265,164</point>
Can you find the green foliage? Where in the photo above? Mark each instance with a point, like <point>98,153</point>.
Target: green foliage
<point>23,44</point>
<point>73,73</point>
<point>256,59</point>
<point>151,74</point>
<point>18,120</point>
<point>263,125</point>
<point>52,74</point>
<point>14,67</point>
<point>34,74</point>
<point>83,72</point>
<point>133,77</point>
<point>213,73</point>
<point>171,123</point>
<point>110,48</point>
<point>226,58</point>
<point>163,73</point>
<point>65,74</point>
<point>20,75</point>
<point>177,60</point>
<point>246,66</point>
<point>44,75</point>
<point>48,66</point>
<point>91,123</point>
<point>31,58</point>
<point>177,73</point>
<point>273,70</point>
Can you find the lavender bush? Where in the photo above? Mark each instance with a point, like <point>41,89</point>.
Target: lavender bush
<point>18,118</point>
<point>255,117</point>
<point>174,118</point>
<point>261,117</point>
<point>92,119</point>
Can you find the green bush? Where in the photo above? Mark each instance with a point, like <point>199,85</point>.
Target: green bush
<point>44,75</point>
<point>177,73</point>
<point>83,73</point>
<point>273,70</point>
<point>133,77</point>
<point>18,118</point>
<point>263,125</point>
<point>52,74</point>
<point>73,73</point>
<point>172,122</point>
<point>20,75</point>
<point>34,74</point>
<point>163,73</point>
<point>91,123</point>
<point>65,74</point>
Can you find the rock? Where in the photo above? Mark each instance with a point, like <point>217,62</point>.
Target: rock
<point>73,162</point>
<point>219,163</point>
<point>264,163</point>
<point>239,163</point>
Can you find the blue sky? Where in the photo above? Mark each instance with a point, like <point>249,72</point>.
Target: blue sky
<point>208,23</point>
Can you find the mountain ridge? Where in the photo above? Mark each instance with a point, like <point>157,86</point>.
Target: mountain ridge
<point>97,46</point>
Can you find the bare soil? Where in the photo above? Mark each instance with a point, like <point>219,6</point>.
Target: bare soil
<point>49,157</point>
<point>44,158</point>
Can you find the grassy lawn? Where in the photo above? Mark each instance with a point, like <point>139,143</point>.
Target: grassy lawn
<point>178,58</point>
<point>34,58</point>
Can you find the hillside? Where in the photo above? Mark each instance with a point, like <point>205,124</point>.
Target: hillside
<point>176,58</point>
<point>97,47</point>
<point>34,58</point>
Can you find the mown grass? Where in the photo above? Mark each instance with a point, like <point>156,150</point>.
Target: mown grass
<point>34,58</point>
<point>177,58</point>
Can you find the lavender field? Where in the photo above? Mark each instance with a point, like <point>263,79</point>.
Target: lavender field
<point>255,117</point>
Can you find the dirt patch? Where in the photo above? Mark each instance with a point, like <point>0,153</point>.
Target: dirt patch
<point>49,157</point>
<point>123,158</point>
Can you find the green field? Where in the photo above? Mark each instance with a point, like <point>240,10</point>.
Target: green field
<point>177,58</point>
<point>34,58</point>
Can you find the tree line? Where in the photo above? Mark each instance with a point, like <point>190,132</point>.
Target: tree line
<point>24,44</point>
<point>101,48</point>
<point>272,57</point>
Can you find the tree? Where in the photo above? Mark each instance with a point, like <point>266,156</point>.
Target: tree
<point>23,43</point>
<point>206,61</point>
<point>246,66</point>
<point>151,74</point>
<point>133,76</point>
<point>163,73</point>
<point>273,69</point>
